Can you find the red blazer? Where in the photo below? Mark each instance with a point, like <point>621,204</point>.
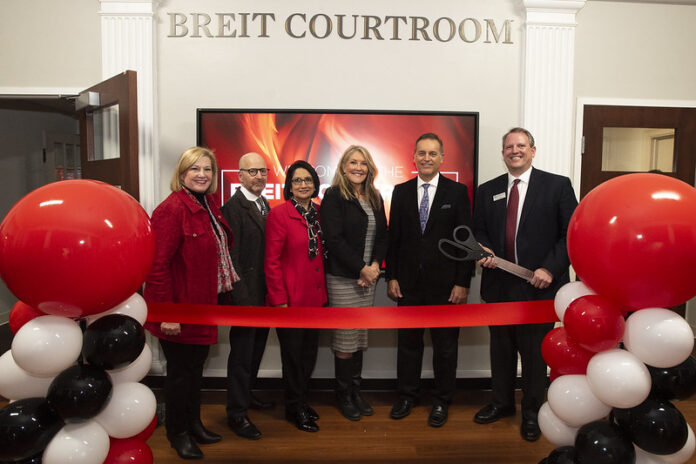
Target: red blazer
<point>185,268</point>
<point>291,277</point>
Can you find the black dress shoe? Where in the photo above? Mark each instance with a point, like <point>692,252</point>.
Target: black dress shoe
<point>257,403</point>
<point>203,435</point>
<point>438,415</point>
<point>242,426</point>
<point>530,430</point>
<point>362,405</point>
<point>491,413</point>
<point>401,409</point>
<point>301,420</point>
<point>311,412</point>
<point>184,445</point>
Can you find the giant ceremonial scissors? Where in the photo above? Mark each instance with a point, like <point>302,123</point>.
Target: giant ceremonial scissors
<point>472,251</point>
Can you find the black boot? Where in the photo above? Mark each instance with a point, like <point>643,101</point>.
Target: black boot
<point>203,435</point>
<point>343,368</point>
<point>362,405</point>
<point>184,445</point>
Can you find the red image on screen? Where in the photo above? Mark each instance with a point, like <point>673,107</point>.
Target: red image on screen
<point>320,138</point>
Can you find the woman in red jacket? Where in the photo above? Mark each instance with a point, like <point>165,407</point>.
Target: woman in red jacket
<point>294,266</point>
<point>192,265</point>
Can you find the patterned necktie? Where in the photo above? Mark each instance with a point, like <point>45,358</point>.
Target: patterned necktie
<point>262,206</point>
<point>511,222</point>
<point>423,210</point>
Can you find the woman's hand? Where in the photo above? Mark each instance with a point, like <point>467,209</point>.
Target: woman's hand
<point>369,275</point>
<point>170,328</point>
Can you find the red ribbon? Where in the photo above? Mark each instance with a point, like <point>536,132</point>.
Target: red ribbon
<point>373,317</point>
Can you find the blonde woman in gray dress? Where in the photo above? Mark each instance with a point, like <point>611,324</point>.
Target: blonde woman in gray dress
<point>355,229</point>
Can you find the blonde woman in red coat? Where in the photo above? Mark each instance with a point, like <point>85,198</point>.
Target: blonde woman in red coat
<point>294,266</point>
<point>192,265</point>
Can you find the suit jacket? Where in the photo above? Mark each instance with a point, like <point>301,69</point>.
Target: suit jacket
<point>344,223</point>
<point>291,277</point>
<point>413,258</point>
<point>185,268</point>
<point>541,232</point>
<point>248,228</point>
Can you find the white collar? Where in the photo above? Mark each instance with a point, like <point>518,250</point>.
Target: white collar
<point>524,177</point>
<point>247,194</point>
<point>433,182</point>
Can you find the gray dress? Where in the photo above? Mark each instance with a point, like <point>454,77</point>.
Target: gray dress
<point>345,292</point>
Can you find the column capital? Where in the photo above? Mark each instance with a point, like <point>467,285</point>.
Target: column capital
<point>552,12</point>
<point>127,7</point>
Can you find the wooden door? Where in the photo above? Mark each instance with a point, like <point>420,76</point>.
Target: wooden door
<point>108,114</point>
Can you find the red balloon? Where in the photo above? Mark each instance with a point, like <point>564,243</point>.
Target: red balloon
<point>148,431</point>
<point>128,451</point>
<point>632,239</point>
<point>563,355</point>
<point>20,314</point>
<point>594,322</point>
<point>75,247</point>
<point>553,375</point>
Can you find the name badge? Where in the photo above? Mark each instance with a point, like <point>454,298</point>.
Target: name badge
<point>499,196</point>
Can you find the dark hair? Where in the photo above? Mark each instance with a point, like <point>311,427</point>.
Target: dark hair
<point>431,136</point>
<point>520,130</point>
<point>287,191</point>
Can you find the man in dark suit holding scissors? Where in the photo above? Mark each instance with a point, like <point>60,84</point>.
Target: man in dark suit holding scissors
<point>522,216</point>
<point>245,212</point>
<point>423,211</point>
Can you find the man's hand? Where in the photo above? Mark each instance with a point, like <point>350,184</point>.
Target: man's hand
<point>458,295</point>
<point>393,290</point>
<point>170,328</point>
<point>488,262</point>
<point>542,278</point>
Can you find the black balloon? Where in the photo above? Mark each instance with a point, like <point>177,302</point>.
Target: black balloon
<point>113,341</point>
<point>562,455</point>
<point>80,392</point>
<point>656,426</point>
<point>36,459</point>
<point>678,382</point>
<point>26,428</point>
<point>600,442</point>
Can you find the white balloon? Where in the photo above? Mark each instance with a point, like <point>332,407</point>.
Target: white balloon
<point>554,429</point>
<point>659,337</point>
<point>130,409</point>
<point>681,456</point>
<point>78,443</point>
<point>573,402</point>
<point>17,384</point>
<point>134,371</point>
<point>135,307</point>
<point>618,378</point>
<point>643,457</point>
<point>567,294</point>
<point>47,345</point>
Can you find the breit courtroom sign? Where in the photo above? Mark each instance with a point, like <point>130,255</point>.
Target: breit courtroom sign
<point>343,26</point>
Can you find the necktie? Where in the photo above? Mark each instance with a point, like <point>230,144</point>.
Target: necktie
<point>262,206</point>
<point>511,222</point>
<point>423,210</point>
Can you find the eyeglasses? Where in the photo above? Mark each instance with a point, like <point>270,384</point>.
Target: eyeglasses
<point>300,181</point>
<point>253,171</point>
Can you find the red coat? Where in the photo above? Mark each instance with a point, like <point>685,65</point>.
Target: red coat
<point>291,277</point>
<point>185,268</point>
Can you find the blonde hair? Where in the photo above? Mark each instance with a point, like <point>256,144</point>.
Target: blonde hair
<point>187,159</point>
<point>345,187</point>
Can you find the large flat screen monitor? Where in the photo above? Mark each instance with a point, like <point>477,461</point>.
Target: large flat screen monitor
<point>321,137</point>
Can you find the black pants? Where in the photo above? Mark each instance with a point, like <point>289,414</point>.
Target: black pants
<point>298,353</point>
<point>410,353</point>
<point>247,345</point>
<point>182,386</point>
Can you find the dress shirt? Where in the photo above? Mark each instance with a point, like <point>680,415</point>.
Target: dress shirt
<point>250,196</point>
<point>431,191</point>
<point>522,186</point>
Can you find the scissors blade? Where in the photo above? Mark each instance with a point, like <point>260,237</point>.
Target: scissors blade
<point>514,269</point>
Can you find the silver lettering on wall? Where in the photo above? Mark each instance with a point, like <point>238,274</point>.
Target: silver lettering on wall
<point>321,26</point>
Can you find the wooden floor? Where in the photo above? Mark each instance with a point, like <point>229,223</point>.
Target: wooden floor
<point>375,439</point>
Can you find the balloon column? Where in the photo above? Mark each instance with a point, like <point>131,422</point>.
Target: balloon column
<point>74,253</point>
<point>632,243</point>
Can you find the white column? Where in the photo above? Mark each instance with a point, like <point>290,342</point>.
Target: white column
<point>128,43</point>
<point>547,90</point>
